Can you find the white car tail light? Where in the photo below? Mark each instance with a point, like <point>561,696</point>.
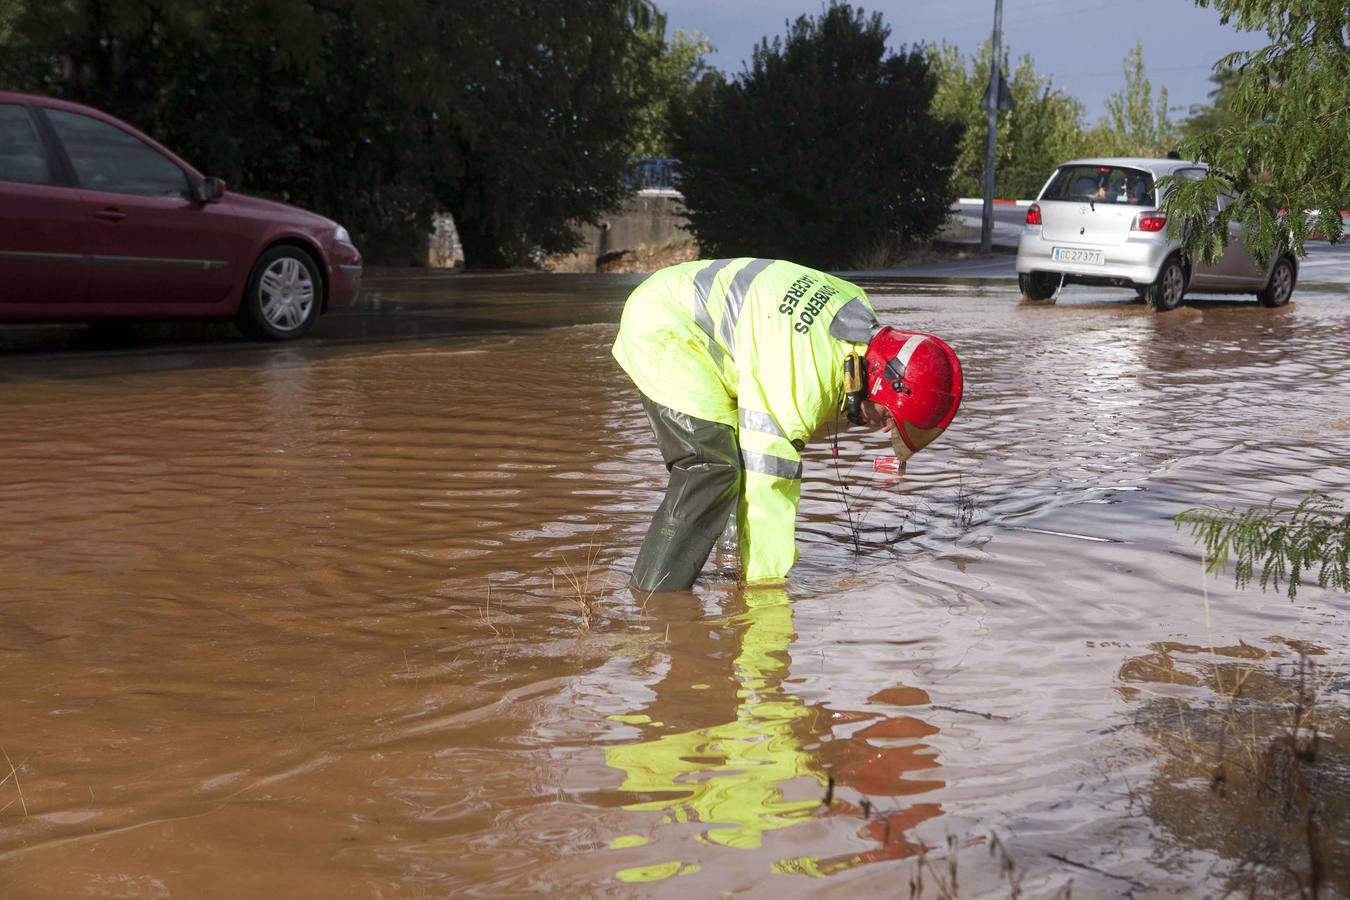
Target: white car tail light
<point>1149,221</point>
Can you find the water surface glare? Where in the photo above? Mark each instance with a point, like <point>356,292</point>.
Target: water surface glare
<point>347,618</point>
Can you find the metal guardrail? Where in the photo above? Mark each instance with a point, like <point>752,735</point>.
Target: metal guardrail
<point>647,173</point>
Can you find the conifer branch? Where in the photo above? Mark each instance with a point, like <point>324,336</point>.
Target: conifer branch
<point>1285,544</point>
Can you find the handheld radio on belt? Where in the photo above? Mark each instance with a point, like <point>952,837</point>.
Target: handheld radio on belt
<point>855,387</point>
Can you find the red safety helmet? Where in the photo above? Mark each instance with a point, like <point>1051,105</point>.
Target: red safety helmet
<point>917,377</point>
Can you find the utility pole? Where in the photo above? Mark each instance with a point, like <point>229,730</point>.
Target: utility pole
<point>995,83</point>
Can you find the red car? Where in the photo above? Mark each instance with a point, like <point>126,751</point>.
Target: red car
<point>98,221</point>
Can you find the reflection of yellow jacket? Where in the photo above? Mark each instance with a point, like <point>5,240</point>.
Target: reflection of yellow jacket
<point>758,345</point>
<point>731,776</point>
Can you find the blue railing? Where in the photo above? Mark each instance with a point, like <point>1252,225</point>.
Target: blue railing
<point>651,173</point>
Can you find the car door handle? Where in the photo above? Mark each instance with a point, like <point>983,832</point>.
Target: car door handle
<point>110,215</point>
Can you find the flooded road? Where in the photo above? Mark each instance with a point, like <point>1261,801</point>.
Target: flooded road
<point>347,617</point>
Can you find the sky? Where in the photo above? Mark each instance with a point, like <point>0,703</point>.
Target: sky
<point>1081,46</point>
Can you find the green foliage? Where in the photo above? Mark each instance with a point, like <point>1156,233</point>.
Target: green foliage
<point>1285,543</point>
<point>9,14</point>
<point>1134,125</point>
<point>823,147</point>
<point>1286,144</point>
<point>548,96</point>
<point>1041,130</point>
<point>1218,113</point>
<point>517,118</point>
<point>678,68</point>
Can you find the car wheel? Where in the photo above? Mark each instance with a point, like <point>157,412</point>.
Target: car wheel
<point>1166,292</point>
<point>1281,285</point>
<point>283,295</point>
<point>1037,285</point>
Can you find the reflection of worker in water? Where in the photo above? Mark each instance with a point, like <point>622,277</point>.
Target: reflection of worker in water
<point>738,362</point>
<point>730,774</point>
<point>736,776</point>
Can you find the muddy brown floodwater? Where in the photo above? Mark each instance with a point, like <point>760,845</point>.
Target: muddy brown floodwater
<point>347,619</point>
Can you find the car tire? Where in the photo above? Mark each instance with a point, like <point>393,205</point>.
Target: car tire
<point>1166,291</point>
<point>1037,285</point>
<point>283,295</point>
<point>1281,285</point>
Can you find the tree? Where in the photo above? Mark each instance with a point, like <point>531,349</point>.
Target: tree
<point>1218,112</point>
<point>1283,156</point>
<point>309,104</point>
<point>824,147</point>
<point>107,54</point>
<point>545,128</point>
<point>679,66</point>
<point>1041,131</point>
<point>1283,149</point>
<point>327,107</point>
<point>1134,125</point>
<point>518,118</point>
<point>1283,543</point>
<point>9,14</point>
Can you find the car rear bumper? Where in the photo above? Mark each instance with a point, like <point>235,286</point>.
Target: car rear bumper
<point>1136,261</point>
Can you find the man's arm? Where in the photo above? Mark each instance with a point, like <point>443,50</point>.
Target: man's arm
<point>767,517</point>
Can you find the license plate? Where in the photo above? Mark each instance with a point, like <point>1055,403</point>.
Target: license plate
<point>1074,255</point>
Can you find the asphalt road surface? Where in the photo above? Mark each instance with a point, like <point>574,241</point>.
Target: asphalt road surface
<point>405,305</point>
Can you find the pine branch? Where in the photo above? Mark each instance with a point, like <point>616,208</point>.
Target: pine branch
<point>1284,543</point>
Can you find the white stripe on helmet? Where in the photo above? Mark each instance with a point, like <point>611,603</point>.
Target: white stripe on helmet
<point>910,346</point>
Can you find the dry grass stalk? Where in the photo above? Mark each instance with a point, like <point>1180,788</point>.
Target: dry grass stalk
<point>965,505</point>
<point>13,773</point>
<point>1259,750</point>
<point>945,884</point>
<point>485,615</point>
<point>585,598</point>
<point>485,612</point>
<point>1006,866</point>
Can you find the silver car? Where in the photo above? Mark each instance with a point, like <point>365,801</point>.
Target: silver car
<point>1097,221</point>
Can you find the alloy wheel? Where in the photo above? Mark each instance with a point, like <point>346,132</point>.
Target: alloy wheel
<point>1282,285</point>
<point>286,292</point>
<point>1172,286</point>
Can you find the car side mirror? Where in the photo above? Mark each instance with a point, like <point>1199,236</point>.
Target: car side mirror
<point>208,190</point>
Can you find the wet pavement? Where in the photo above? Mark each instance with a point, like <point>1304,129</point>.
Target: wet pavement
<point>346,617</point>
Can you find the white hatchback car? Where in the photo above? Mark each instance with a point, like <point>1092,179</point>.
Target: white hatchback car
<point>1097,221</point>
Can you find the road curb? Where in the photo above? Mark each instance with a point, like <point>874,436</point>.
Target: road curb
<point>979,201</point>
<point>973,248</point>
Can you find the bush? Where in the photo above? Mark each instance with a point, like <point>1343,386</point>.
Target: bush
<point>824,145</point>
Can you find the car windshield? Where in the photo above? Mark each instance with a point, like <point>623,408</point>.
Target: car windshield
<point>1101,184</point>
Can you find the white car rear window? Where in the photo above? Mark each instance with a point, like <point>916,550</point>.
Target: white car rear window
<point>1101,184</point>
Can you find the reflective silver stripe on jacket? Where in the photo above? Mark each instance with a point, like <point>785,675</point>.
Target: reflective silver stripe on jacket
<point>703,283</point>
<point>776,466</point>
<point>731,309</point>
<point>762,422</point>
<point>854,323</point>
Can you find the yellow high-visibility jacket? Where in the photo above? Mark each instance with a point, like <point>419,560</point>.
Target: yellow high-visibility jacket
<point>759,345</point>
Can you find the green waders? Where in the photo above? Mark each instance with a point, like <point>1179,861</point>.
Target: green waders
<point>704,462</point>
